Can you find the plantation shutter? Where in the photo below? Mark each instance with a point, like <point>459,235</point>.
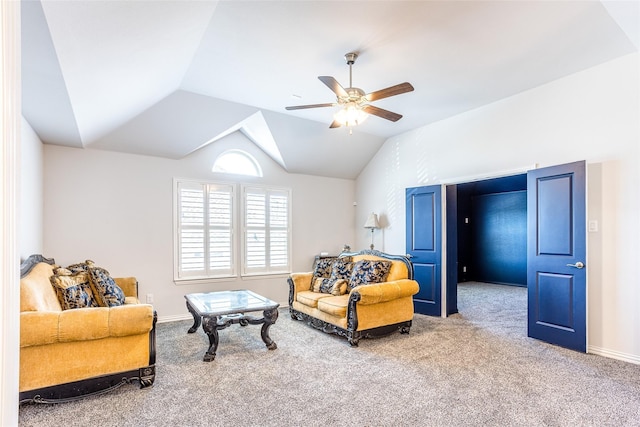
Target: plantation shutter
<point>204,230</point>
<point>267,232</point>
<point>279,230</point>
<point>191,227</point>
<point>221,247</point>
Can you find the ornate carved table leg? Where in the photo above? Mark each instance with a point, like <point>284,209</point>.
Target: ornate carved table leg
<point>209,325</point>
<point>270,317</point>
<point>196,319</point>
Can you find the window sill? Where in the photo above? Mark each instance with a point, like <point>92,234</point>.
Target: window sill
<point>256,276</point>
<point>201,280</point>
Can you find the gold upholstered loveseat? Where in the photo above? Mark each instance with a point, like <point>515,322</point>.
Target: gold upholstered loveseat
<point>363,309</point>
<point>67,354</point>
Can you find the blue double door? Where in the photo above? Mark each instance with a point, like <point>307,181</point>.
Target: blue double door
<point>556,252</point>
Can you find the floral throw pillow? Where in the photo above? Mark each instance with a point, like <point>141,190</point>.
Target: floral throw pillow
<point>323,267</point>
<point>336,283</point>
<point>366,272</point>
<point>105,289</point>
<point>73,289</point>
<point>341,268</point>
<point>81,266</point>
<point>326,285</point>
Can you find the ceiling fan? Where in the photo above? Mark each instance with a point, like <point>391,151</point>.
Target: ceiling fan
<point>355,102</point>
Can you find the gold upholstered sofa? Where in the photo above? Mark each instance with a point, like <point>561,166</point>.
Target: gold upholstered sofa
<point>70,353</point>
<point>355,295</point>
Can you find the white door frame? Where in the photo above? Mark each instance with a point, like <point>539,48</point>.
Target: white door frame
<point>9,187</point>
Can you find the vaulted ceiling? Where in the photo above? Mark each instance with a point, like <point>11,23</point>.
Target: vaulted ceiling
<point>164,78</point>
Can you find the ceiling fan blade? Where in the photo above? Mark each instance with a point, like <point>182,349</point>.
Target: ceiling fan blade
<point>390,91</point>
<point>333,85</point>
<point>335,124</point>
<point>385,114</point>
<point>302,107</point>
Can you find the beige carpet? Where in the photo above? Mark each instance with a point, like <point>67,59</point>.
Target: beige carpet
<point>476,368</point>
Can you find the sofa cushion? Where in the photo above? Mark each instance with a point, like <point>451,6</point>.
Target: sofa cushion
<point>73,289</point>
<point>83,325</point>
<point>105,289</point>
<point>336,306</point>
<point>330,285</point>
<point>368,271</point>
<point>310,298</point>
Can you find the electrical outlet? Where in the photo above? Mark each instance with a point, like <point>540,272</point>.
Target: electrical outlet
<point>149,298</point>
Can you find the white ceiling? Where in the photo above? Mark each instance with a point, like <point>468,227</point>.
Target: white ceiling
<point>164,78</point>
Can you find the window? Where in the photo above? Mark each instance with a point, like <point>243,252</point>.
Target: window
<point>237,162</point>
<point>266,230</point>
<point>205,230</point>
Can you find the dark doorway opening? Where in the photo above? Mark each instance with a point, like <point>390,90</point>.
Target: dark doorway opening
<point>492,231</point>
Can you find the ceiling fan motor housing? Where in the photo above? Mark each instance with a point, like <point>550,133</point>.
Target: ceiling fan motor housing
<point>355,95</point>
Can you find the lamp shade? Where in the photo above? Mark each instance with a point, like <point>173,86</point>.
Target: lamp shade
<point>372,221</point>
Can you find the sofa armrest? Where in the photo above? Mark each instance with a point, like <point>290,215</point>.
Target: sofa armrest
<point>298,282</point>
<point>301,281</point>
<point>84,324</point>
<point>129,285</point>
<point>386,291</point>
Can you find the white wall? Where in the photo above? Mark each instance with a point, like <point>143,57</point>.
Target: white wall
<point>116,209</point>
<point>593,115</point>
<point>31,192</point>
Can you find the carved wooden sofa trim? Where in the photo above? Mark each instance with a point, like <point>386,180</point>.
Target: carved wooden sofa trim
<point>51,340</point>
<point>370,311</point>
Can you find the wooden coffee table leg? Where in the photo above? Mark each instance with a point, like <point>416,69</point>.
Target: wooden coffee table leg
<point>270,317</point>
<point>209,325</point>
<point>196,319</point>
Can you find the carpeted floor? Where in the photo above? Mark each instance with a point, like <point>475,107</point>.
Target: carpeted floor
<point>476,368</point>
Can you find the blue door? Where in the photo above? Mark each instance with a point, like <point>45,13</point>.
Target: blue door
<point>556,254</point>
<point>424,245</point>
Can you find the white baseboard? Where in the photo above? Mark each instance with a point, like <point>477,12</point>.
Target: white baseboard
<point>625,357</point>
<point>176,318</point>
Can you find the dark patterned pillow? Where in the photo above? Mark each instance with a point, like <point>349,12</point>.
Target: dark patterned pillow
<point>326,285</point>
<point>323,267</point>
<point>105,289</point>
<point>81,266</point>
<point>73,289</point>
<point>341,268</point>
<point>367,271</point>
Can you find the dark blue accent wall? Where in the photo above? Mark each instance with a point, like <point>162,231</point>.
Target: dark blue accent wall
<point>492,231</point>
<point>499,237</point>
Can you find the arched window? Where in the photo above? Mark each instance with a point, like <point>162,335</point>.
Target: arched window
<point>237,162</point>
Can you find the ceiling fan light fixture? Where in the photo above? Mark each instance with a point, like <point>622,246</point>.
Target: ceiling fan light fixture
<point>355,101</point>
<point>350,115</point>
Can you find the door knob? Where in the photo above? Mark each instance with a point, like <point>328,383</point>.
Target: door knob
<point>576,265</point>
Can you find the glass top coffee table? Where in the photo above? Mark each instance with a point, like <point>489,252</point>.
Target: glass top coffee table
<point>219,310</point>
